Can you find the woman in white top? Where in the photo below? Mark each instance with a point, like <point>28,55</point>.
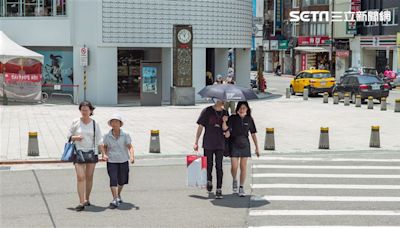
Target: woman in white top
<point>86,134</point>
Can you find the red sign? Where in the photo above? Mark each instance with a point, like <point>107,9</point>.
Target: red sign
<point>343,54</point>
<point>303,62</point>
<point>11,77</point>
<point>312,40</point>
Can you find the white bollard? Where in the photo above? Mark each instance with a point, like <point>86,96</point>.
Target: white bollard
<point>287,93</point>
<point>33,144</point>
<point>335,98</point>
<point>383,104</point>
<point>305,94</point>
<point>326,98</point>
<point>324,138</point>
<point>346,99</point>
<point>375,141</point>
<point>269,143</point>
<point>370,102</point>
<point>155,141</point>
<point>358,101</point>
<point>397,105</point>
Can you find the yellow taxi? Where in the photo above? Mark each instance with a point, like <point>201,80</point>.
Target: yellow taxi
<point>316,81</point>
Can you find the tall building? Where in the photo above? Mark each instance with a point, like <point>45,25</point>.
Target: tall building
<point>375,45</point>
<point>121,35</point>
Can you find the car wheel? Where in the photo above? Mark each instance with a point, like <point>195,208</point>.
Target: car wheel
<point>292,91</point>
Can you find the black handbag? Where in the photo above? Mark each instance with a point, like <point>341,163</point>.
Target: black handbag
<point>89,156</point>
<point>228,148</point>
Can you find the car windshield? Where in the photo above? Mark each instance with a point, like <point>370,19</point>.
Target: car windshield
<point>321,75</point>
<point>369,79</point>
<point>369,71</point>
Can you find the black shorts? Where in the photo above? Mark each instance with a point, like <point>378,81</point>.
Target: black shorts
<point>118,173</point>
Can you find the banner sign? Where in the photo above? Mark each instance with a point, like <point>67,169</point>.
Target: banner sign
<point>316,40</point>
<point>11,77</point>
<point>351,27</point>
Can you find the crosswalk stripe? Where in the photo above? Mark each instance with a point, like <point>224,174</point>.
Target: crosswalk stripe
<point>322,213</point>
<point>326,198</point>
<point>325,186</point>
<point>325,159</point>
<point>324,167</point>
<point>312,175</point>
<point>323,226</point>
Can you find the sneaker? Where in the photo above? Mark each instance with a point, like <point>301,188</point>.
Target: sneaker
<point>218,194</point>
<point>209,186</point>
<point>235,187</point>
<point>241,192</point>
<point>80,207</point>
<point>114,204</point>
<point>119,200</point>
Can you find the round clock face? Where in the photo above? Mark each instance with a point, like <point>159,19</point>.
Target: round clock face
<point>184,36</point>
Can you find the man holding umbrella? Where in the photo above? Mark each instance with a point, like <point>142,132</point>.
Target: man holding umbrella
<point>213,119</point>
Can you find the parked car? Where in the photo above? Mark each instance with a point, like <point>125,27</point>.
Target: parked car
<point>316,81</point>
<point>362,84</point>
<point>361,70</point>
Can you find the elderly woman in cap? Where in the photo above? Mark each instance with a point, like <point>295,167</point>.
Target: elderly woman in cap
<point>117,150</point>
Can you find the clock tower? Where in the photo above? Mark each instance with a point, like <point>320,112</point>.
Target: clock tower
<point>182,92</point>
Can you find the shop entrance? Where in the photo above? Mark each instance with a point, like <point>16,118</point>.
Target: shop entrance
<point>129,75</point>
<point>210,66</point>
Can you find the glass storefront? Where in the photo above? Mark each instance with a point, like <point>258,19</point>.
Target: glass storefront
<point>32,8</point>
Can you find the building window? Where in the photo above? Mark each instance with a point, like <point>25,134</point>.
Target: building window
<point>296,4</point>
<point>13,8</point>
<point>395,17</point>
<point>371,23</point>
<point>315,2</point>
<point>295,29</point>
<point>32,8</point>
<point>61,7</point>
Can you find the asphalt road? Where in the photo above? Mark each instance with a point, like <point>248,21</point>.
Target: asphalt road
<point>359,188</point>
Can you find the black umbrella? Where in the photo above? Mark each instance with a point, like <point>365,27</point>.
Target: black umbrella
<point>228,92</point>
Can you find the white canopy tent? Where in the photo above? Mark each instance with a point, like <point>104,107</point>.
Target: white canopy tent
<point>11,50</point>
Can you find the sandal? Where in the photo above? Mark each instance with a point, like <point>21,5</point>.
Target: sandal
<point>87,203</point>
<point>80,207</point>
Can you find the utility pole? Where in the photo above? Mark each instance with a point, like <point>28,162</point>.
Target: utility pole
<point>331,52</point>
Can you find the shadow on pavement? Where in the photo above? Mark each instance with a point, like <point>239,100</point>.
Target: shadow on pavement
<point>92,208</point>
<point>127,207</point>
<point>232,201</point>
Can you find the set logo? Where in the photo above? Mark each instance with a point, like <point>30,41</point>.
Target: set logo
<point>340,16</point>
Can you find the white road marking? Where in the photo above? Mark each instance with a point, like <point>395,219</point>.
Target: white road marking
<point>322,213</point>
<point>324,167</point>
<point>323,226</point>
<point>266,158</point>
<point>312,175</point>
<point>326,198</point>
<point>325,186</point>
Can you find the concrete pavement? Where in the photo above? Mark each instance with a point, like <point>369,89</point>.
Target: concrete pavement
<point>296,124</point>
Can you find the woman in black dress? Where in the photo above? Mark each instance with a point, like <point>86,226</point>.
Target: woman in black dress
<point>239,127</point>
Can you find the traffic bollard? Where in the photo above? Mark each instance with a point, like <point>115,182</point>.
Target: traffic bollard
<point>358,101</point>
<point>269,143</point>
<point>397,105</point>
<point>370,102</point>
<point>288,93</point>
<point>326,98</point>
<point>383,104</point>
<point>305,94</point>
<point>375,141</point>
<point>324,138</point>
<point>33,144</point>
<point>346,99</point>
<point>155,141</point>
<point>335,98</point>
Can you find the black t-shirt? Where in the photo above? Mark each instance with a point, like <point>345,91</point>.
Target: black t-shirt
<point>241,127</point>
<point>213,138</point>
